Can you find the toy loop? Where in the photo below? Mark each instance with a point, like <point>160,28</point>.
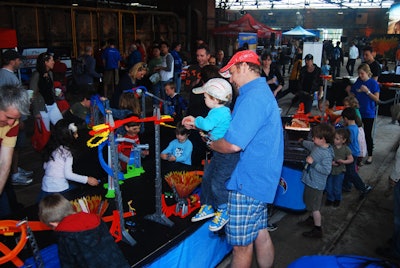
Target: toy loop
<point>9,227</point>
<point>103,136</point>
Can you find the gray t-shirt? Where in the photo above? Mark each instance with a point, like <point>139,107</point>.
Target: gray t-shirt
<point>8,78</point>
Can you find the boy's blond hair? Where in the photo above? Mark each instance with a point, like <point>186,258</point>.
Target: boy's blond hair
<point>54,208</point>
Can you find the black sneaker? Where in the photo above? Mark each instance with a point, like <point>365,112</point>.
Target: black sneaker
<point>307,222</point>
<point>328,203</point>
<point>368,189</point>
<point>336,203</point>
<point>314,233</point>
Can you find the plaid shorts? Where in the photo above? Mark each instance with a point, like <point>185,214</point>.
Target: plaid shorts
<point>247,217</point>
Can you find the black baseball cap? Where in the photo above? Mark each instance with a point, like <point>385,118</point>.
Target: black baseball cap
<point>309,57</point>
<point>11,54</point>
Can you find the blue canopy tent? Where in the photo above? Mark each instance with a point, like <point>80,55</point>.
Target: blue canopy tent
<point>299,31</point>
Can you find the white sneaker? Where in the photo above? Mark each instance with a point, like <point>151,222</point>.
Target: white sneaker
<point>19,179</point>
<point>26,173</point>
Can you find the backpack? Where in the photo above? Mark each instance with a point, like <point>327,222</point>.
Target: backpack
<point>79,66</point>
<point>336,53</point>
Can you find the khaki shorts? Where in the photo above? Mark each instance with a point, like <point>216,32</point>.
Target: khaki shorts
<point>312,198</point>
<point>111,77</point>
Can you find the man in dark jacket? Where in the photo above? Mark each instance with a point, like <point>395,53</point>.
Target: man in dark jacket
<point>310,81</point>
<point>86,79</point>
<point>337,60</point>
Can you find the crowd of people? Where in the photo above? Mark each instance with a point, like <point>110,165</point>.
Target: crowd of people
<point>227,108</point>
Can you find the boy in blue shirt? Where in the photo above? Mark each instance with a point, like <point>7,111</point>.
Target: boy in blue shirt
<point>317,169</point>
<point>214,195</point>
<point>179,151</point>
<point>351,176</point>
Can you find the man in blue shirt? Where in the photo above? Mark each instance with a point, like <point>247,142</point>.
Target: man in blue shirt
<point>256,132</point>
<point>176,48</point>
<point>111,59</point>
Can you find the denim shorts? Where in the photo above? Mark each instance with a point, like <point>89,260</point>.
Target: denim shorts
<point>247,217</point>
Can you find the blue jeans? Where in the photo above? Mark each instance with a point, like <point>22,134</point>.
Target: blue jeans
<point>178,82</point>
<point>334,187</point>
<point>351,176</point>
<point>5,209</point>
<point>157,92</point>
<point>396,236</point>
<point>217,173</point>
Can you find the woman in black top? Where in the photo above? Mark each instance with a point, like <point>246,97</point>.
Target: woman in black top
<point>272,74</point>
<point>44,96</point>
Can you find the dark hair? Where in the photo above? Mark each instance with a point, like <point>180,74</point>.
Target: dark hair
<point>181,130</point>
<point>111,42</point>
<point>344,133</point>
<point>61,135</point>
<point>204,47</point>
<point>349,113</point>
<point>208,72</point>
<point>368,48</point>
<point>325,131</point>
<point>175,44</point>
<point>164,43</point>
<point>266,55</point>
<point>41,62</point>
<point>85,92</point>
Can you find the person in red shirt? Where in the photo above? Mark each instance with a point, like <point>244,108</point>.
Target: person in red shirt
<point>132,132</point>
<point>83,238</point>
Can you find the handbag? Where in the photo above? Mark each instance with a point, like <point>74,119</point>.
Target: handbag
<point>155,78</point>
<point>40,135</point>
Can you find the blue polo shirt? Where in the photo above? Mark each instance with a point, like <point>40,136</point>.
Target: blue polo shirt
<point>256,128</point>
<point>112,57</point>
<point>367,105</point>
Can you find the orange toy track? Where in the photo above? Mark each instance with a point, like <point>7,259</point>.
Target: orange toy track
<point>9,227</point>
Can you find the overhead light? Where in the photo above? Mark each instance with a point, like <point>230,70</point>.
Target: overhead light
<point>270,13</point>
<point>340,13</point>
<point>297,12</point>
<point>74,4</point>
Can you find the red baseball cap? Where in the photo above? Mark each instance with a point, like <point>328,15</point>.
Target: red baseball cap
<point>241,56</point>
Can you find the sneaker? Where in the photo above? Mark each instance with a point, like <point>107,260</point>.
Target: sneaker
<point>220,219</point>
<point>307,222</point>
<point>19,179</point>
<point>26,173</point>
<point>205,212</point>
<point>314,233</point>
<point>368,189</point>
<point>271,227</point>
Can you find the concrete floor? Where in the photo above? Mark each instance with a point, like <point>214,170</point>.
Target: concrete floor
<point>356,227</point>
